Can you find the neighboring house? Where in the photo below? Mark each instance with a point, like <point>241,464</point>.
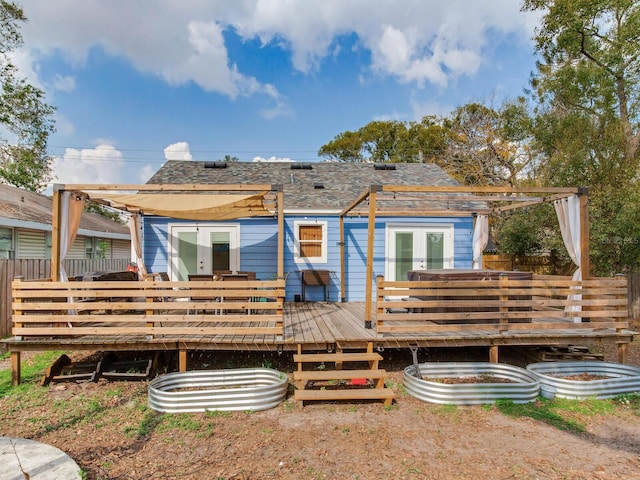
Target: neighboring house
<point>314,195</point>
<point>25,230</point>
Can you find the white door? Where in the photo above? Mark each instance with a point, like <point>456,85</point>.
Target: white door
<point>198,249</point>
<point>417,247</point>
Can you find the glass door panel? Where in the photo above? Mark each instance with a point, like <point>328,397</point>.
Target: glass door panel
<point>187,258</point>
<point>417,247</point>
<point>220,251</point>
<point>404,254</point>
<point>435,250</point>
<point>202,250</point>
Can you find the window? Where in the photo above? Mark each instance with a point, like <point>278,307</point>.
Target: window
<point>88,247</point>
<point>6,242</point>
<point>311,241</point>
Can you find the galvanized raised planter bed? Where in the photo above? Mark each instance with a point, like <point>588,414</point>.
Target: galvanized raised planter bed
<point>524,386</point>
<point>616,379</point>
<point>225,390</point>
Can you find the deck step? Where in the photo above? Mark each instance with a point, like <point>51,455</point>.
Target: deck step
<point>339,374</point>
<point>337,357</point>
<point>385,394</point>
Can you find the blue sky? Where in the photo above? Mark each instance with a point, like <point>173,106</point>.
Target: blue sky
<point>138,82</point>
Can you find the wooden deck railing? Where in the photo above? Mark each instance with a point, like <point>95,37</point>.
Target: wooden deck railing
<point>149,308</point>
<point>544,303</point>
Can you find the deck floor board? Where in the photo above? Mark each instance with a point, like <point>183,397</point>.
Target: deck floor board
<point>319,325</point>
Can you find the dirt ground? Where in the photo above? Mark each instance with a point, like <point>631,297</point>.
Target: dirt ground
<point>107,428</point>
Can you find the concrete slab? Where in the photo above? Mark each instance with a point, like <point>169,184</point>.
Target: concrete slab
<point>22,459</point>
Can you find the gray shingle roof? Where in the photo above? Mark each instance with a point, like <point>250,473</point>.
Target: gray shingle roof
<point>342,182</point>
<point>26,206</point>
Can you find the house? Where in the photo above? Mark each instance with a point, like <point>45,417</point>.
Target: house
<point>355,229</point>
<point>25,230</point>
<point>315,194</point>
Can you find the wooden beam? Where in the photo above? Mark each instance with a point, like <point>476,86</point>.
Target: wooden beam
<point>280,205</point>
<point>167,187</point>
<point>623,352</point>
<point>355,203</point>
<point>342,259</point>
<point>182,360</point>
<point>55,234</point>
<point>15,368</point>
<point>493,353</point>
<point>477,189</point>
<point>370,250</point>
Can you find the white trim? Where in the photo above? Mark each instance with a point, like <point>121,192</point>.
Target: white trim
<point>447,229</point>
<point>311,213</point>
<point>296,241</point>
<point>234,238</point>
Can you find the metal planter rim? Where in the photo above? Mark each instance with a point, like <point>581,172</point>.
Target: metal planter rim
<point>224,390</point>
<point>620,379</point>
<point>523,389</point>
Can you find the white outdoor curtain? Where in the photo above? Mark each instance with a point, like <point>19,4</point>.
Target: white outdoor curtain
<point>135,227</point>
<point>71,207</point>
<point>480,239</point>
<point>568,211</point>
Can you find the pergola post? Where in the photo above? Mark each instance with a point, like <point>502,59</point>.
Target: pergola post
<point>280,207</point>
<point>585,264</point>
<point>55,233</point>
<point>370,244</point>
<point>343,293</point>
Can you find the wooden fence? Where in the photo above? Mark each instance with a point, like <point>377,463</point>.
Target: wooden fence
<point>34,269</point>
<point>133,310</point>
<point>544,303</point>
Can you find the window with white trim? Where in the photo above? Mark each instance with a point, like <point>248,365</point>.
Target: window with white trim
<point>6,242</point>
<point>310,242</point>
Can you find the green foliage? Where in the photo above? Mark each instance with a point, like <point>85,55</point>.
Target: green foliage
<point>388,141</point>
<point>31,372</point>
<point>543,410</point>
<point>24,115</point>
<point>104,211</point>
<point>587,117</point>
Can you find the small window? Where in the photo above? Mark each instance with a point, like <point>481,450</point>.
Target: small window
<point>311,242</point>
<point>6,242</point>
<point>88,247</point>
<point>47,245</point>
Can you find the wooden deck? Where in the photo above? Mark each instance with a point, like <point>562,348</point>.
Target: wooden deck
<point>325,326</point>
<point>253,316</point>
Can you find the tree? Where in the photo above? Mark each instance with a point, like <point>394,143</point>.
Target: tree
<point>388,141</point>
<point>587,117</point>
<point>24,116</point>
<point>486,146</point>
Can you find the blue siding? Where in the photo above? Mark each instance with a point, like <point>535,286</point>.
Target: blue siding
<point>259,242</point>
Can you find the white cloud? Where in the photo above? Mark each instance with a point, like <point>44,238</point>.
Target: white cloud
<point>64,83</point>
<point>103,164</point>
<point>178,151</point>
<point>272,159</point>
<point>417,41</point>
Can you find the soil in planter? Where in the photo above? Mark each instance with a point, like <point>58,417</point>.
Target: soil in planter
<point>582,377</point>
<point>462,380</point>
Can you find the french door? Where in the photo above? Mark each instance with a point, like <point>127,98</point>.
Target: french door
<point>417,247</point>
<point>203,249</point>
